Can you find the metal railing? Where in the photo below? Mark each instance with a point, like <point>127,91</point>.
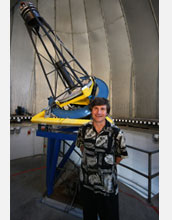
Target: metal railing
<point>150,176</point>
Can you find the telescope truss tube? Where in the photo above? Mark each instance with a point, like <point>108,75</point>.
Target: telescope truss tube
<point>79,87</point>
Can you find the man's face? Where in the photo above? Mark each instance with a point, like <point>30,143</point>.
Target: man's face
<point>99,112</point>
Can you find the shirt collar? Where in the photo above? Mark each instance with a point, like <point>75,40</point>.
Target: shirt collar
<point>107,124</point>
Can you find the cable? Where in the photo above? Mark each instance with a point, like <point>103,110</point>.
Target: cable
<point>156,209</point>
<point>27,171</point>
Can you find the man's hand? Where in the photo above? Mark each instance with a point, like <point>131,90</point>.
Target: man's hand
<point>118,160</point>
<point>82,149</point>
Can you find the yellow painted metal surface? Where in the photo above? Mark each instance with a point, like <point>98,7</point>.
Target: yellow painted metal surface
<point>41,119</point>
<point>83,102</point>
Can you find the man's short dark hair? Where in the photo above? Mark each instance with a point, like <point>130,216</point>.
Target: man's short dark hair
<point>100,101</point>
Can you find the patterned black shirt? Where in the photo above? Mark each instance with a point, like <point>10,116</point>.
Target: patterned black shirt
<point>98,169</point>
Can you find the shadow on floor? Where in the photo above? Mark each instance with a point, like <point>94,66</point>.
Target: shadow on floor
<point>27,186</point>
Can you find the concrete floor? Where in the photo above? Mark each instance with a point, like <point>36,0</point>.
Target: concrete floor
<point>27,185</point>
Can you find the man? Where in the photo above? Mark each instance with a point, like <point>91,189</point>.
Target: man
<point>103,146</point>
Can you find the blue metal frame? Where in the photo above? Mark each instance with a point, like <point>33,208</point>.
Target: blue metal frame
<point>53,149</point>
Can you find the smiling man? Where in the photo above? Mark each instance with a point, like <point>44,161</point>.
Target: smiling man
<point>103,146</point>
